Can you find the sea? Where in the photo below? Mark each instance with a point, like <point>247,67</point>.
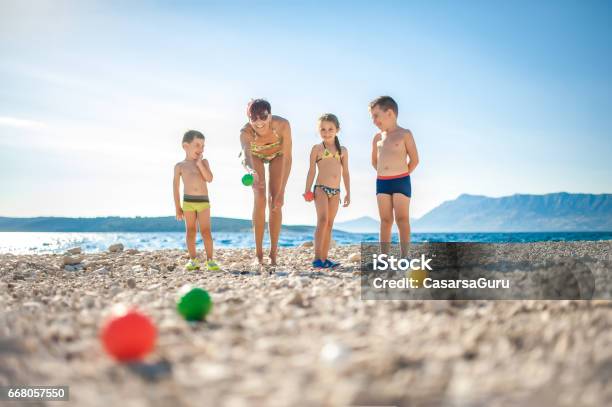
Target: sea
<point>58,242</point>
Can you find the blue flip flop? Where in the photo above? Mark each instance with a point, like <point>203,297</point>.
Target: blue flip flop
<point>317,263</point>
<point>330,264</point>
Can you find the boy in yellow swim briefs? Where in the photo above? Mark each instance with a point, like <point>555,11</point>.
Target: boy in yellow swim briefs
<point>195,173</point>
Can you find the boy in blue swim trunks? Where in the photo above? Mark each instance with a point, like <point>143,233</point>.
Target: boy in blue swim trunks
<point>195,173</point>
<point>394,156</point>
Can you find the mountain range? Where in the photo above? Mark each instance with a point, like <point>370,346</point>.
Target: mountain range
<point>556,212</point>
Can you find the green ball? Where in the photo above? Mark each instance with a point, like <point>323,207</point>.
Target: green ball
<point>247,180</point>
<point>194,305</point>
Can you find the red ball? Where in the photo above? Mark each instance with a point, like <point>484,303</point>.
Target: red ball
<point>128,336</point>
<point>309,196</point>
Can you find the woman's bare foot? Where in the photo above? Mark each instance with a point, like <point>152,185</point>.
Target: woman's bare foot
<point>260,258</point>
<point>272,256</point>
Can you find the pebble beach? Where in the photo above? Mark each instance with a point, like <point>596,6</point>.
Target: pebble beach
<point>295,336</point>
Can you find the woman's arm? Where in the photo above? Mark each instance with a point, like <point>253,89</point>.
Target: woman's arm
<point>312,169</point>
<point>346,177</point>
<point>287,157</point>
<point>245,145</point>
<point>247,157</point>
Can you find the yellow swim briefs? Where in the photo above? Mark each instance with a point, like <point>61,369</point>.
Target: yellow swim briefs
<point>195,203</point>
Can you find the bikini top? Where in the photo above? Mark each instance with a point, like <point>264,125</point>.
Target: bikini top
<point>259,147</point>
<point>329,154</point>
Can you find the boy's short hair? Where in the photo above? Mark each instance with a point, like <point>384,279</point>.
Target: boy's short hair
<point>384,103</point>
<point>191,134</point>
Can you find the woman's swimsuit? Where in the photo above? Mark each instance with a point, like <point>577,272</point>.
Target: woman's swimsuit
<point>266,158</point>
<point>328,154</point>
<point>394,184</point>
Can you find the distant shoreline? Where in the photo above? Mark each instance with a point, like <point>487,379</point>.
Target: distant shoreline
<point>58,242</point>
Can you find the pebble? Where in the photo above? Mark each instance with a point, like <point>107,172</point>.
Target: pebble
<point>74,250</point>
<point>116,247</point>
<point>71,260</point>
<point>299,336</point>
<point>354,258</point>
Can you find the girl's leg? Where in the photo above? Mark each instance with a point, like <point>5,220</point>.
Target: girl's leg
<point>321,203</point>
<point>385,211</point>
<point>191,231</point>
<point>401,208</point>
<point>332,209</point>
<point>276,216</point>
<point>259,208</point>
<point>204,221</point>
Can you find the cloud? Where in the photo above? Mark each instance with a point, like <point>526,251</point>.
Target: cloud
<point>21,123</point>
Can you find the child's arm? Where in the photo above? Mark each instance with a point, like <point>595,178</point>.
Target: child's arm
<point>375,151</point>
<point>312,170</point>
<point>346,177</point>
<point>204,170</point>
<point>175,189</point>
<point>412,151</point>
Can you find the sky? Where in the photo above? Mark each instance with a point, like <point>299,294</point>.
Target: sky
<point>502,97</point>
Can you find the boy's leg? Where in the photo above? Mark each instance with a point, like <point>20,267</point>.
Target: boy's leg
<point>401,209</point>
<point>321,203</point>
<point>191,231</point>
<point>332,209</point>
<point>204,221</point>
<point>385,211</point>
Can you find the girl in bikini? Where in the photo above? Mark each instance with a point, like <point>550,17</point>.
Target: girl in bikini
<point>266,139</point>
<point>330,161</point>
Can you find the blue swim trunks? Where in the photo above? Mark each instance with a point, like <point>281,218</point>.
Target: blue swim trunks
<point>394,184</point>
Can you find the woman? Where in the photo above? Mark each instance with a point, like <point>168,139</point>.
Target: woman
<point>266,139</point>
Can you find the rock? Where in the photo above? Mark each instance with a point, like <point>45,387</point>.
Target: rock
<point>295,299</point>
<point>102,270</point>
<point>18,276</point>
<point>601,303</point>
<point>131,283</point>
<point>74,250</point>
<point>309,243</point>
<point>71,260</point>
<point>354,258</point>
<point>334,353</point>
<point>32,304</point>
<point>89,301</point>
<point>114,248</point>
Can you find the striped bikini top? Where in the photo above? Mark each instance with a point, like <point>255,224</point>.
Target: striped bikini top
<point>255,148</point>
